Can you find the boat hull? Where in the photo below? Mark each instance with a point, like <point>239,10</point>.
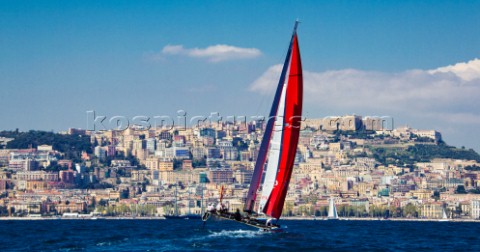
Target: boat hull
<point>252,222</point>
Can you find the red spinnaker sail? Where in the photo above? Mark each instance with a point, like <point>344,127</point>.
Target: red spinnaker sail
<point>292,121</point>
<point>264,146</point>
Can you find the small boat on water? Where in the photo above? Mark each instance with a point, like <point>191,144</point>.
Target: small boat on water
<point>188,216</point>
<point>444,216</point>
<point>332,209</point>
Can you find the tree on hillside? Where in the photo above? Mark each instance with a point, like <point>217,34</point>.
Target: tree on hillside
<point>460,190</point>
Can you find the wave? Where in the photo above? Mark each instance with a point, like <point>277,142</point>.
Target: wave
<point>237,234</point>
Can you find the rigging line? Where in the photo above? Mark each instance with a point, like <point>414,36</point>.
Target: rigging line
<point>262,107</point>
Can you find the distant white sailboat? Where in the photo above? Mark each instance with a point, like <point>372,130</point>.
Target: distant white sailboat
<point>444,215</point>
<point>332,210</point>
<point>177,215</point>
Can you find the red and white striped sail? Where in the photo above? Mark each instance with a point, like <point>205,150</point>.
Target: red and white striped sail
<point>280,137</point>
<point>291,131</point>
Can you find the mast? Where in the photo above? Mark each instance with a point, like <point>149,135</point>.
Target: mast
<point>265,144</point>
<point>201,200</point>
<point>176,204</point>
<point>189,200</point>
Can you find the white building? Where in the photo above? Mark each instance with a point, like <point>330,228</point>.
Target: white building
<point>475,209</point>
<point>100,153</point>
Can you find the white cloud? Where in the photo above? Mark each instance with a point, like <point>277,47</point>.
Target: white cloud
<point>267,82</point>
<point>215,53</point>
<point>465,70</point>
<point>350,88</point>
<point>173,49</point>
<point>447,95</point>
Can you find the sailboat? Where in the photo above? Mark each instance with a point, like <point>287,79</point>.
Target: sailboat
<point>332,210</point>
<point>191,215</point>
<point>176,215</point>
<point>279,144</point>
<point>444,216</point>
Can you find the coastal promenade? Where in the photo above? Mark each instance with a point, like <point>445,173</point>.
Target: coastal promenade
<point>299,218</point>
<point>27,218</point>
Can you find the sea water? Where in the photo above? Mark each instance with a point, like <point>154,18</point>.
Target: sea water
<point>193,235</point>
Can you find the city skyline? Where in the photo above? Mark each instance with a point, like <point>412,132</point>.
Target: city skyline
<point>415,62</point>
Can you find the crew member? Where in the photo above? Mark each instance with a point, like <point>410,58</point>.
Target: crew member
<point>211,208</point>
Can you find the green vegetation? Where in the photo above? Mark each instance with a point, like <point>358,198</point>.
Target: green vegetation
<point>55,167</point>
<point>474,191</point>
<point>359,134</point>
<point>177,164</point>
<point>423,139</point>
<point>443,151</point>
<point>345,211</point>
<point>71,145</point>
<point>359,211</point>
<point>472,168</point>
<point>199,163</point>
<point>396,156</point>
<point>239,143</point>
<point>410,210</point>
<point>460,190</point>
<point>127,210</point>
<point>420,153</point>
<point>132,159</point>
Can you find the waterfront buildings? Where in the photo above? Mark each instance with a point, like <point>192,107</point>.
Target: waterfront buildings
<point>347,157</point>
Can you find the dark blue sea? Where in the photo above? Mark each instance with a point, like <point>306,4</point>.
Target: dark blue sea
<point>190,235</point>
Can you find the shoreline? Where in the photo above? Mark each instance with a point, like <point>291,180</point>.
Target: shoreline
<point>299,218</point>
<point>84,218</point>
<point>377,219</point>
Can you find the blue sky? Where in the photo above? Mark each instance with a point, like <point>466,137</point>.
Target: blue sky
<point>412,60</point>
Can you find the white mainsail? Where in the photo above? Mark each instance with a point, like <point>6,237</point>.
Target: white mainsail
<point>274,151</point>
<point>444,216</point>
<point>332,209</point>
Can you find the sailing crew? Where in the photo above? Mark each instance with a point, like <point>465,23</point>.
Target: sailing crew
<point>210,208</point>
<point>220,207</point>
<point>238,216</point>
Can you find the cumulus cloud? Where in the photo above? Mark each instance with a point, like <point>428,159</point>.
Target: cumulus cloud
<point>451,88</point>
<point>267,82</point>
<point>465,70</point>
<point>215,53</point>
<point>173,49</point>
<point>445,98</point>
